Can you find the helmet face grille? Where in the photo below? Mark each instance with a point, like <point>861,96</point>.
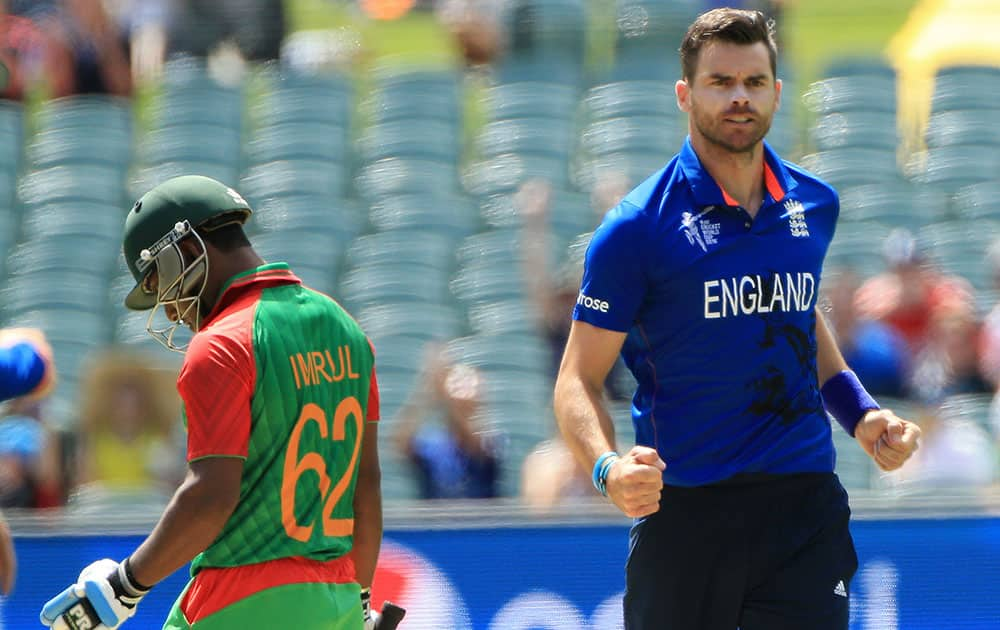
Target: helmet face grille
<point>179,290</point>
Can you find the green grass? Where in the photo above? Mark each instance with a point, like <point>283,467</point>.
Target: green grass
<point>416,39</point>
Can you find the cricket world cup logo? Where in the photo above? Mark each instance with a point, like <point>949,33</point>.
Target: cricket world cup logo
<point>699,231</point>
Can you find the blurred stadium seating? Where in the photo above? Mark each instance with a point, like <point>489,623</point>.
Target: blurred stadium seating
<point>390,202</point>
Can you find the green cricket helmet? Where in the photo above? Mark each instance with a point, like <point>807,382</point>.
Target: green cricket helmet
<point>169,213</point>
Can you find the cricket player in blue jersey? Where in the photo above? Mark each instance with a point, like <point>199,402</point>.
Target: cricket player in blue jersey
<point>26,369</point>
<point>705,279</point>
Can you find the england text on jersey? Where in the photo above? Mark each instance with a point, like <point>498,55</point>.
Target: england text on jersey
<point>749,295</point>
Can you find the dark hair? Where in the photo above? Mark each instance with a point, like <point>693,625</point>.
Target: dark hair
<point>735,26</point>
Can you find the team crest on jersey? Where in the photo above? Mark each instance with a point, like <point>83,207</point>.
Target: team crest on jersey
<point>700,232</point>
<point>796,214</point>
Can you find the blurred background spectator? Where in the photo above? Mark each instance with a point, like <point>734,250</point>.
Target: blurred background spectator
<point>989,345</point>
<point>31,473</point>
<point>71,47</point>
<point>955,452</point>
<point>551,477</point>
<point>551,279</point>
<point>911,294</point>
<point>476,26</point>
<point>92,46</point>
<point>255,28</point>
<point>441,434</point>
<point>129,426</point>
<point>28,54</point>
<point>873,349</point>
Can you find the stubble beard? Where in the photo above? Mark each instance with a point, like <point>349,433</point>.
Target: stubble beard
<point>710,131</point>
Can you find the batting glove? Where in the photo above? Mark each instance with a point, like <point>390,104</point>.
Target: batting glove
<point>103,597</point>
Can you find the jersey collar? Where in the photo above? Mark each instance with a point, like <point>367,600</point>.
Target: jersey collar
<point>265,275</point>
<point>707,192</point>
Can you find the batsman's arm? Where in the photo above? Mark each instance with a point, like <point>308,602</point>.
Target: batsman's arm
<point>578,402</point>
<point>193,519</point>
<point>368,509</point>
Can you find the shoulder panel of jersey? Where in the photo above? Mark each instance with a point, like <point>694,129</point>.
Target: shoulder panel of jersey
<point>217,380</point>
<point>616,262</point>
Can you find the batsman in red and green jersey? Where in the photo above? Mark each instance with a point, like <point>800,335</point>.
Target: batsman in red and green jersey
<point>280,514</point>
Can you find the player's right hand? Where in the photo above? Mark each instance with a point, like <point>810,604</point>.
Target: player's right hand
<point>635,481</point>
<point>103,597</point>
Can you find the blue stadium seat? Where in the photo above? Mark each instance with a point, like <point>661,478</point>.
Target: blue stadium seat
<point>361,287</point>
<point>966,87</point>
<point>448,214</point>
<point>300,140</point>
<point>633,134</point>
<point>425,320</point>
<point>866,85</point>
<point>418,246</point>
<point>531,99</point>
<point>196,142</point>
<point>407,138</point>
<point>875,129</point>
<point>630,98</point>
<point>969,126</point>
<point>547,137</point>
<point>83,182</point>
<point>504,173</point>
<point>293,177</point>
<point>397,176</point>
<point>303,98</point>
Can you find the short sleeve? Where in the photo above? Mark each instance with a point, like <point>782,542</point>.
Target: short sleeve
<point>373,412</point>
<point>216,385</point>
<point>614,278</point>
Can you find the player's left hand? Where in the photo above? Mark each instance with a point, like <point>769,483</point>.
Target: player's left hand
<point>370,616</point>
<point>887,438</point>
<point>102,597</point>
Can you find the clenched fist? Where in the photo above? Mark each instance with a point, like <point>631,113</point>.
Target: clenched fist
<point>635,480</point>
<point>887,438</point>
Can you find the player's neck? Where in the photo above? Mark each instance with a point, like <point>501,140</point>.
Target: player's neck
<point>225,266</point>
<point>741,175</point>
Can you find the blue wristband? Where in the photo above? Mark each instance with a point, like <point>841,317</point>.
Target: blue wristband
<point>846,400</point>
<point>601,468</point>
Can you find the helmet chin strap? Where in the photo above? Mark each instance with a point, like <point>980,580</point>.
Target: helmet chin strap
<point>180,286</point>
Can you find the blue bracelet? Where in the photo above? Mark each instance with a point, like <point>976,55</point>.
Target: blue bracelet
<point>601,468</point>
<point>846,399</point>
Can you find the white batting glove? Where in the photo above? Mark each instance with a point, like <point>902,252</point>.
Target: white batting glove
<point>103,597</point>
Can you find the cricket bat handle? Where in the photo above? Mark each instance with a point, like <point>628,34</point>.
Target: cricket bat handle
<point>391,616</point>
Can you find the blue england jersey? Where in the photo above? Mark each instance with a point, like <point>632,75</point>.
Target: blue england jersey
<point>719,314</point>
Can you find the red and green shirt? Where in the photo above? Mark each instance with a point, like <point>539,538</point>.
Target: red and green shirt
<point>282,377</point>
